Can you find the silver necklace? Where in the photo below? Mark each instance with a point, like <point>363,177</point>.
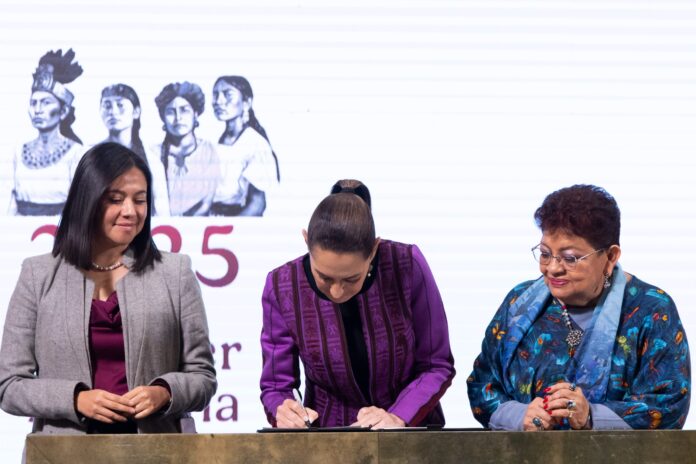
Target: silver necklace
<point>574,336</point>
<point>99,268</point>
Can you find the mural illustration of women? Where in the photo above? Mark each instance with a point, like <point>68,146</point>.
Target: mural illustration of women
<point>191,164</point>
<point>248,164</point>
<point>43,167</point>
<point>120,111</point>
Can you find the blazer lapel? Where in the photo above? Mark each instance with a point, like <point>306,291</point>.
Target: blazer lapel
<point>77,306</point>
<point>131,300</point>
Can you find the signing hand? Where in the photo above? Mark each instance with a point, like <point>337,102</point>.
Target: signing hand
<point>537,413</point>
<point>567,400</point>
<point>146,400</point>
<point>291,414</point>
<point>378,418</point>
<point>103,406</point>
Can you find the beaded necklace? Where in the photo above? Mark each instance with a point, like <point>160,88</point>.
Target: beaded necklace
<point>36,155</point>
<point>111,267</point>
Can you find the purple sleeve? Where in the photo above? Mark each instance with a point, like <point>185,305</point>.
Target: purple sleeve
<point>434,364</point>
<point>279,373</point>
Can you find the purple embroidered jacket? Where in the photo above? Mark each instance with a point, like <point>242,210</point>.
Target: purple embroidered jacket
<point>405,330</point>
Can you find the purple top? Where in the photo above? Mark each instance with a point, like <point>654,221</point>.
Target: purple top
<point>405,329</point>
<point>106,346</point>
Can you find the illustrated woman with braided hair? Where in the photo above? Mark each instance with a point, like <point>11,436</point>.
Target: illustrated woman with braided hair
<point>43,167</point>
<point>120,111</point>
<point>249,166</point>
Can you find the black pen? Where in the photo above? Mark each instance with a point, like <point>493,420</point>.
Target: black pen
<point>298,398</point>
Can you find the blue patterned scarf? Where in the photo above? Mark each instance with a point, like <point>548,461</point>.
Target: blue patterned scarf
<point>594,353</point>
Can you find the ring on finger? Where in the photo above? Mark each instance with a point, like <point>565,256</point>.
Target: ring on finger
<point>570,413</point>
<point>572,387</point>
<point>538,423</point>
<point>571,405</point>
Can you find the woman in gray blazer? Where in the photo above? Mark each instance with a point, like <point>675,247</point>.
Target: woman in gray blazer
<point>107,334</point>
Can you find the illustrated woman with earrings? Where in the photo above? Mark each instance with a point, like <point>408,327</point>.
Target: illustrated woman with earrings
<point>587,345</point>
<point>365,318</point>
<point>107,334</point>
<point>191,164</point>
<point>43,168</point>
<point>249,165</point>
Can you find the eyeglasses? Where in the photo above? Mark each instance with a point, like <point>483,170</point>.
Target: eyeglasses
<point>570,262</point>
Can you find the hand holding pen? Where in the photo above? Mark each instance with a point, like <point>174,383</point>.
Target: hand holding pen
<point>293,414</point>
<point>298,398</point>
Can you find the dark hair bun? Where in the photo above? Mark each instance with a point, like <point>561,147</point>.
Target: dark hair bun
<point>353,186</point>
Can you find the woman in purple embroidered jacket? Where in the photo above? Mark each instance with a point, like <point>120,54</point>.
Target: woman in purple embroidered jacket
<point>587,345</point>
<point>366,319</point>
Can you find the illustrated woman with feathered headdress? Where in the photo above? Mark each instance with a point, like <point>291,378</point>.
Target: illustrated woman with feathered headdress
<point>248,164</point>
<point>43,167</point>
<point>191,164</point>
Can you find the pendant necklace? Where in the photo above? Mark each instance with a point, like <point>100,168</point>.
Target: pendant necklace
<point>574,336</point>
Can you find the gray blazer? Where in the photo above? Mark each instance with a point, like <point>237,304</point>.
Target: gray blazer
<point>45,346</point>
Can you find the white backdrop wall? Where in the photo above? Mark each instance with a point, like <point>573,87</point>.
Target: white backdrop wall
<point>459,115</point>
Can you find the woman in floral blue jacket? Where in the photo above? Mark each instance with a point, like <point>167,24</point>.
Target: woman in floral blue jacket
<point>586,345</point>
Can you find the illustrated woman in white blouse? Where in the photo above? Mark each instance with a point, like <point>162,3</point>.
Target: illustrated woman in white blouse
<point>43,167</point>
<point>247,161</point>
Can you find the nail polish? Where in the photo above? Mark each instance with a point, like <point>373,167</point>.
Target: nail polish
<point>547,389</point>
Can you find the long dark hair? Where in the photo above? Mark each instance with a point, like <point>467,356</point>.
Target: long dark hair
<point>81,217</point>
<point>242,84</point>
<point>126,91</point>
<point>343,221</point>
<point>66,123</point>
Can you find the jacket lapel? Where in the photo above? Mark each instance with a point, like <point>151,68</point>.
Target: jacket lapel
<point>131,300</point>
<point>77,306</point>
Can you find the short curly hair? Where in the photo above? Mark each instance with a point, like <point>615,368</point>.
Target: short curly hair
<point>187,90</point>
<point>587,211</point>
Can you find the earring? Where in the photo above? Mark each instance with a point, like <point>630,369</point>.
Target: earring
<point>369,271</point>
<point>607,282</point>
